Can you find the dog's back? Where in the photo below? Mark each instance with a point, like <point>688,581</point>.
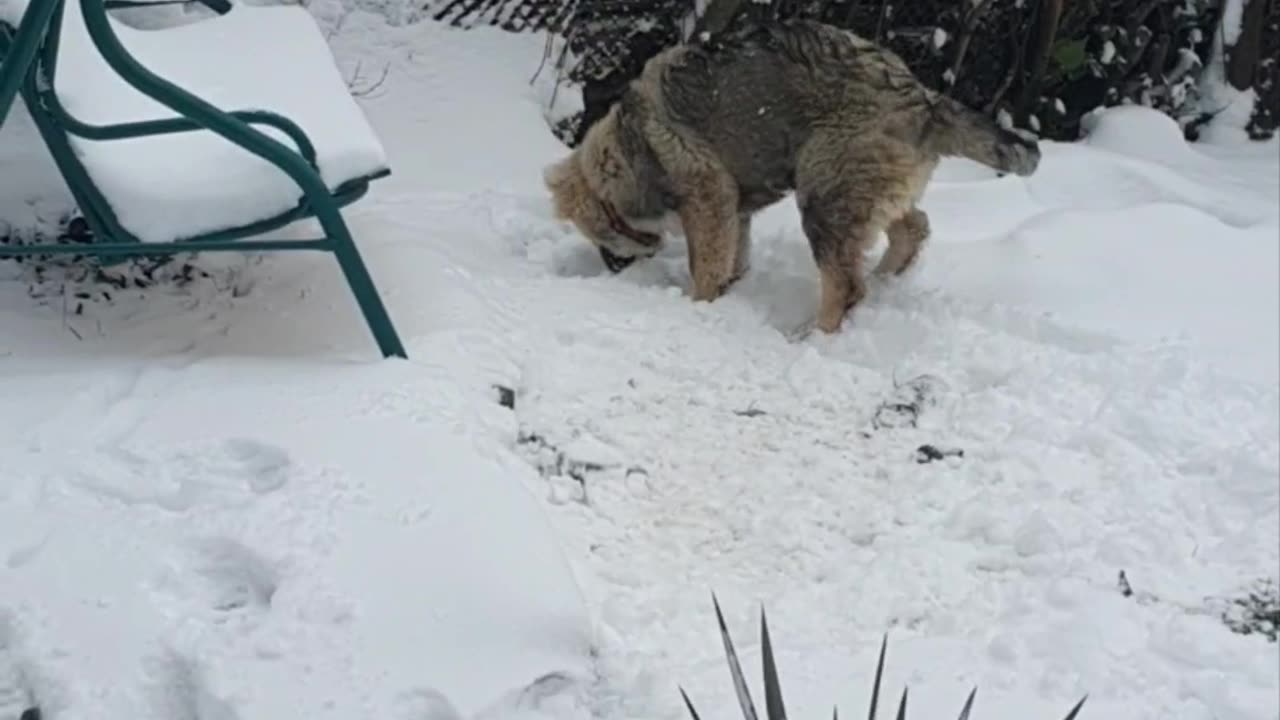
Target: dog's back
<point>756,96</point>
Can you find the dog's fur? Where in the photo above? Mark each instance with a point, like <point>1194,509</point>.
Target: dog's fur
<point>716,131</point>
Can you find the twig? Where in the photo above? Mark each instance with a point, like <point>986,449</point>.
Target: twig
<point>65,323</point>
<point>546,54</point>
<point>717,17</point>
<point>962,45</point>
<point>1049,14</point>
<point>355,77</point>
<point>1139,16</point>
<point>1009,76</point>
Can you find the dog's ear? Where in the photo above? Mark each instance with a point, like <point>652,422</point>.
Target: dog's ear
<point>563,179</point>
<point>571,194</point>
<point>553,175</point>
<point>564,176</point>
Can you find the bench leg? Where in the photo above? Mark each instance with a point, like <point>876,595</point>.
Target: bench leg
<point>22,50</point>
<point>375,313</point>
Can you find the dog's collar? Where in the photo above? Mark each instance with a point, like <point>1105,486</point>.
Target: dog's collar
<point>620,226</point>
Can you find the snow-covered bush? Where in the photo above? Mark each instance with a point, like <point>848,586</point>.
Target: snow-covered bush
<point>1148,54</point>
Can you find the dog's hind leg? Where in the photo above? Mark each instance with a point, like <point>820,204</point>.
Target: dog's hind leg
<point>837,235</point>
<point>849,188</point>
<point>907,236</point>
<point>837,222</point>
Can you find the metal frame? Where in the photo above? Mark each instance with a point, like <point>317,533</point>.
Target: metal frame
<point>20,48</point>
<point>55,123</point>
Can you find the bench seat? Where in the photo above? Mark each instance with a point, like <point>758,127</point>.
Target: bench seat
<point>170,187</point>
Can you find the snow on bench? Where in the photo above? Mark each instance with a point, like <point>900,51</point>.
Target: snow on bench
<point>252,58</point>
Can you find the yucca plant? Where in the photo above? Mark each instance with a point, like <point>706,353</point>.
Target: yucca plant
<point>774,707</point>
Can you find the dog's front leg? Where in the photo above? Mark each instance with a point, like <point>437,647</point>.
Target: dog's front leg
<point>712,230</point>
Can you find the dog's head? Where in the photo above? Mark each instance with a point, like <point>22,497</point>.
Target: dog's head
<point>579,196</point>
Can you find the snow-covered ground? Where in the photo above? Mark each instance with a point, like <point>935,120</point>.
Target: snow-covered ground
<point>217,504</point>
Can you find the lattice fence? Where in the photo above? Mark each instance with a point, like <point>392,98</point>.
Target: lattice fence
<point>1038,64</point>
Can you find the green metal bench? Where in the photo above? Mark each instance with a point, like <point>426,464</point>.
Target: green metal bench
<point>158,167</point>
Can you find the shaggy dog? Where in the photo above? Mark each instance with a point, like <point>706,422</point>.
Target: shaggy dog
<point>716,131</point>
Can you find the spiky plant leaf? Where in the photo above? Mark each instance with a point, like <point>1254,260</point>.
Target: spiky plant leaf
<point>735,668</point>
<point>773,705</point>
<point>1076,710</point>
<point>968,704</point>
<point>689,704</point>
<point>875,686</point>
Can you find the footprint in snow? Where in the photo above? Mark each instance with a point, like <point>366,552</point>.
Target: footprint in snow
<point>220,581</point>
<point>542,697</point>
<point>264,467</point>
<point>424,704</point>
<point>228,474</point>
<point>178,690</point>
<point>237,578</point>
<point>551,696</point>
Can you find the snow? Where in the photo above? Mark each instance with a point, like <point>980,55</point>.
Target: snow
<point>217,504</point>
<point>175,186</point>
<point>1232,108</point>
<point>260,563</point>
<point>1232,20</point>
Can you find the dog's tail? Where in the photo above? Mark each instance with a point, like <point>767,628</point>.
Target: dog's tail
<point>959,131</point>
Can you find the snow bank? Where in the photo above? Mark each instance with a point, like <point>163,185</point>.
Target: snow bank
<point>1136,131</point>
<point>1182,274</point>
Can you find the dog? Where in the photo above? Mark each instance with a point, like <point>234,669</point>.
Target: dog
<point>714,131</point>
